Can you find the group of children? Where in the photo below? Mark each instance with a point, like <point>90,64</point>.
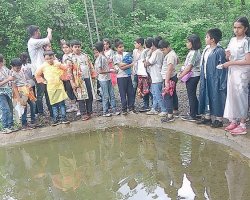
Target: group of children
<point>150,72</point>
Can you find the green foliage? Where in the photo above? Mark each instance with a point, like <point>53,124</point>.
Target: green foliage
<point>173,20</point>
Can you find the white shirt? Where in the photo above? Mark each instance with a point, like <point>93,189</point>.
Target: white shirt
<point>35,48</point>
<point>156,60</point>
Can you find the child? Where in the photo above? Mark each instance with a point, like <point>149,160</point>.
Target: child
<point>154,66</point>
<point>6,105</point>
<point>71,103</point>
<point>144,79</point>
<point>169,77</point>
<point>109,53</point>
<point>238,54</point>
<point>139,47</point>
<point>84,69</point>
<point>103,70</point>
<point>190,74</point>
<point>124,79</point>
<point>23,92</point>
<point>213,81</point>
<point>52,72</point>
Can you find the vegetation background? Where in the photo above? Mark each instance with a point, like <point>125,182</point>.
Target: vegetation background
<point>126,19</point>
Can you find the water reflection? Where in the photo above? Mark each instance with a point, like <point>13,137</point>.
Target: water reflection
<point>122,163</point>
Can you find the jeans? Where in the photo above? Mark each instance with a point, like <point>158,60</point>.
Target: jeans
<point>32,113</point>
<point>126,93</point>
<point>107,95</point>
<point>156,90</point>
<point>146,99</point>
<point>59,107</point>
<point>41,91</point>
<point>191,86</point>
<point>85,106</point>
<point>171,102</point>
<point>6,107</point>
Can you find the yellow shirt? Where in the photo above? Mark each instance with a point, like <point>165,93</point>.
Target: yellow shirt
<point>52,74</point>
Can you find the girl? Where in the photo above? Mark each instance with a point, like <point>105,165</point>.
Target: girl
<point>109,53</point>
<point>6,105</point>
<point>191,69</point>
<point>213,81</point>
<point>123,79</point>
<point>238,55</point>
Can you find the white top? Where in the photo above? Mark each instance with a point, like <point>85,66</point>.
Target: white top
<point>82,61</point>
<point>207,51</point>
<point>136,58</point>
<point>101,63</point>
<point>156,60</point>
<point>109,54</point>
<point>118,59</point>
<point>35,48</point>
<point>27,71</point>
<point>170,58</point>
<point>193,58</point>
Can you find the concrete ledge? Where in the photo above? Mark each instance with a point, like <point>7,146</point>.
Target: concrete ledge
<point>238,143</point>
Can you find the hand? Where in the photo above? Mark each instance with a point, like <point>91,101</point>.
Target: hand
<point>49,30</point>
<point>11,78</point>
<point>166,84</point>
<point>228,54</point>
<point>227,64</point>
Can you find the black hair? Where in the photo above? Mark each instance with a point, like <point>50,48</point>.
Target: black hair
<point>107,41</point>
<point>140,40</point>
<point>149,42</point>
<point>67,43</point>
<point>24,56</point>
<point>195,41</point>
<point>163,44</point>
<point>156,41</point>
<point>215,34</point>
<point>99,46</point>
<point>118,42</point>
<point>244,21</point>
<point>16,62</point>
<point>75,42</point>
<point>1,58</point>
<point>32,29</point>
<point>48,53</point>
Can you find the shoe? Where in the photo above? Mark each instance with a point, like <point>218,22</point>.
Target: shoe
<point>231,126</point>
<point>26,127</point>
<point>188,118</point>
<point>55,123</point>
<point>176,113</point>
<point>163,114</point>
<point>116,113</point>
<point>124,112</point>
<point>13,129</point>
<point>144,109</point>
<point>204,121</point>
<point>216,124</point>
<point>86,117</point>
<point>78,113</point>
<point>107,115</point>
<point>65,121</point>
<point>239,130</point>
<point>167,119</point>
<point>69,110</point>
<point>133,112</point>
<point>152,112</point>
<point>6,131</point>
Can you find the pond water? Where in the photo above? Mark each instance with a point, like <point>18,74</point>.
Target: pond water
<point>123,163</point>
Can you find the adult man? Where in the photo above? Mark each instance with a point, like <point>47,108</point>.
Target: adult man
<point>35,48</point>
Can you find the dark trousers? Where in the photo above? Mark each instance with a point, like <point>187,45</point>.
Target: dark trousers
<point>191,86</point>
<point>126,91</point>
<point>41,91</point>
<point>85,106</point>
<point>172,101</point>
<point>146,100</point>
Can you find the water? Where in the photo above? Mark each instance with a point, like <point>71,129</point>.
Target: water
<point>123,163</point>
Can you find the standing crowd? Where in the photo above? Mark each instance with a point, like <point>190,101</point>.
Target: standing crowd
<point>70,84</point>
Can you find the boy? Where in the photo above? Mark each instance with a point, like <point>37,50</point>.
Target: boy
<point>6,105</point>
<point>213,81</point>
<point>23,92</point>
<point>52,71</point>
<point>103,70</point>
<point>169,74</point>
<point>85,67</point>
